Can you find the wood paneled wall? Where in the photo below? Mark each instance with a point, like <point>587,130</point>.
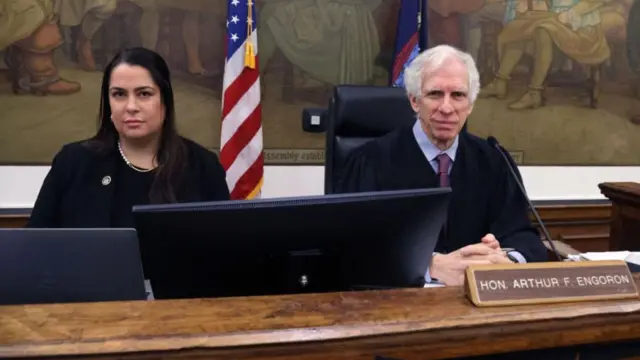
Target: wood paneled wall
<point>582,225</point>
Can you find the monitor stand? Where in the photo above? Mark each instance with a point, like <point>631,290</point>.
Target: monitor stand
<point>306,271</point>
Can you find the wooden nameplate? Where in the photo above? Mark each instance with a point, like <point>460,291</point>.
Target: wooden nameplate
<point>549,282</point>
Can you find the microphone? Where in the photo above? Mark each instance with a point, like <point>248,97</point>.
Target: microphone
<point>507,158</point>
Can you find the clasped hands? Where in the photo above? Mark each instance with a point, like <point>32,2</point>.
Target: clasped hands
<point>450,268</point>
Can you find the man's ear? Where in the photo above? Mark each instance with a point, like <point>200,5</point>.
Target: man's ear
<point>414,103</point>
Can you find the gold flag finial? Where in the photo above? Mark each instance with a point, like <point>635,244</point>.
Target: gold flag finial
<point>249,51</point>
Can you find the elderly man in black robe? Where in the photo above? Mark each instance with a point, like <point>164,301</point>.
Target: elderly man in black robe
<point>487,212</point>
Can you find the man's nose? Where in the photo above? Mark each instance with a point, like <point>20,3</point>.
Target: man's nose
<point>445,106</point>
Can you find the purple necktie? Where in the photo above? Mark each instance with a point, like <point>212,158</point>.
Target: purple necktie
<point>444,162</point>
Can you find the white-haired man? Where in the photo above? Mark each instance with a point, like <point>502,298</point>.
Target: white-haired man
<point>487,212</point>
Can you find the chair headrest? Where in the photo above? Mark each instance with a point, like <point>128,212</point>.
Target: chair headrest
<point>356,115</point>
<point>369,111</point>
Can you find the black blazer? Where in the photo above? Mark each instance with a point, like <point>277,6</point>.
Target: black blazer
<point>79,189</point>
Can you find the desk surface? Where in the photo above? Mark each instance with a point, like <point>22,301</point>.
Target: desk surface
<point>402,324</point>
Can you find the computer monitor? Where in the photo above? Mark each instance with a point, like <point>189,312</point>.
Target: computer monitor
<point>311,244</point>
<point>39,266</point>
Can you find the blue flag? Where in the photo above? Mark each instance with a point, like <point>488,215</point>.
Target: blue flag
<point>410,38</point>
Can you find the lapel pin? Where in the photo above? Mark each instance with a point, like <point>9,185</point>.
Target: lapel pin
<point>106,180</point>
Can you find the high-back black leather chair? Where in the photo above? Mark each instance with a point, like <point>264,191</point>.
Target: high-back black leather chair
<point>356,115</point>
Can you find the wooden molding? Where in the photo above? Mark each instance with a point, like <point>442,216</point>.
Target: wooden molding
<point>8,220</point>
<point>621,191</point>
<point>584,226</point>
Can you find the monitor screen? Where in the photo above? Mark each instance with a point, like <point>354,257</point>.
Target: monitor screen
<point>307,244</point>
<point>43,266</point>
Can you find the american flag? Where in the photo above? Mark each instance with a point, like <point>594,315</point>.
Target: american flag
<point>241,152</point>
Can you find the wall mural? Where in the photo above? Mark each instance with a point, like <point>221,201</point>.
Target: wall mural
<point>559,76</point>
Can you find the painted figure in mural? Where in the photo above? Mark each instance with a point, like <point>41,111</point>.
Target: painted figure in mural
<point>500,11</point>
<point>92,14</point>
<point>613,14</point>
<point>193,9</point>
<point>492,11</point>
<point>331,41</point>
<point>28,36</point>
<point>149,22</point>
<point>574,26</point>
<point>445,24</point>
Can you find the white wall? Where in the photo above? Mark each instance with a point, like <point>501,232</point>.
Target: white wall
<point>19,185</point>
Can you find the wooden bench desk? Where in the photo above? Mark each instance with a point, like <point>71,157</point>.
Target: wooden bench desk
<point>407,324</point>
<point>625,214</point>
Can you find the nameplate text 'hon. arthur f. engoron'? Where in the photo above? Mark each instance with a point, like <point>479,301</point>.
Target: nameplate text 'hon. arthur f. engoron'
<point>551,282</point>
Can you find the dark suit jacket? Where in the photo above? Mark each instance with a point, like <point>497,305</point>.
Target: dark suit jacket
<point>76,193</point>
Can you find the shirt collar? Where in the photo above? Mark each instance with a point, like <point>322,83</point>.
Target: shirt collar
<point>429,150</point>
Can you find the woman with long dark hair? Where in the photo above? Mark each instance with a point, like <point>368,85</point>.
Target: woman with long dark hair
<point>137,156</point>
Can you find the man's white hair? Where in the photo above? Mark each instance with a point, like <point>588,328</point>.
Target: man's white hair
<point>433,59</point>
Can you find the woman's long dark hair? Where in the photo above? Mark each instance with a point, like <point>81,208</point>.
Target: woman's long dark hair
<point>172,153</point>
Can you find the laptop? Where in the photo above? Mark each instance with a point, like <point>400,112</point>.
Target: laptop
<point>39,266</point>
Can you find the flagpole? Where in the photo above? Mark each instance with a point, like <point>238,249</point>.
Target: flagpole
<point>420,10</point>
<point>422,7</point>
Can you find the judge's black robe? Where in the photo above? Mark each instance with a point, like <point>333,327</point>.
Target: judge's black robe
<point>485,198</point>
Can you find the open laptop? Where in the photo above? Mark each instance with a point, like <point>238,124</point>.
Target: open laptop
<point>40,266</point>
